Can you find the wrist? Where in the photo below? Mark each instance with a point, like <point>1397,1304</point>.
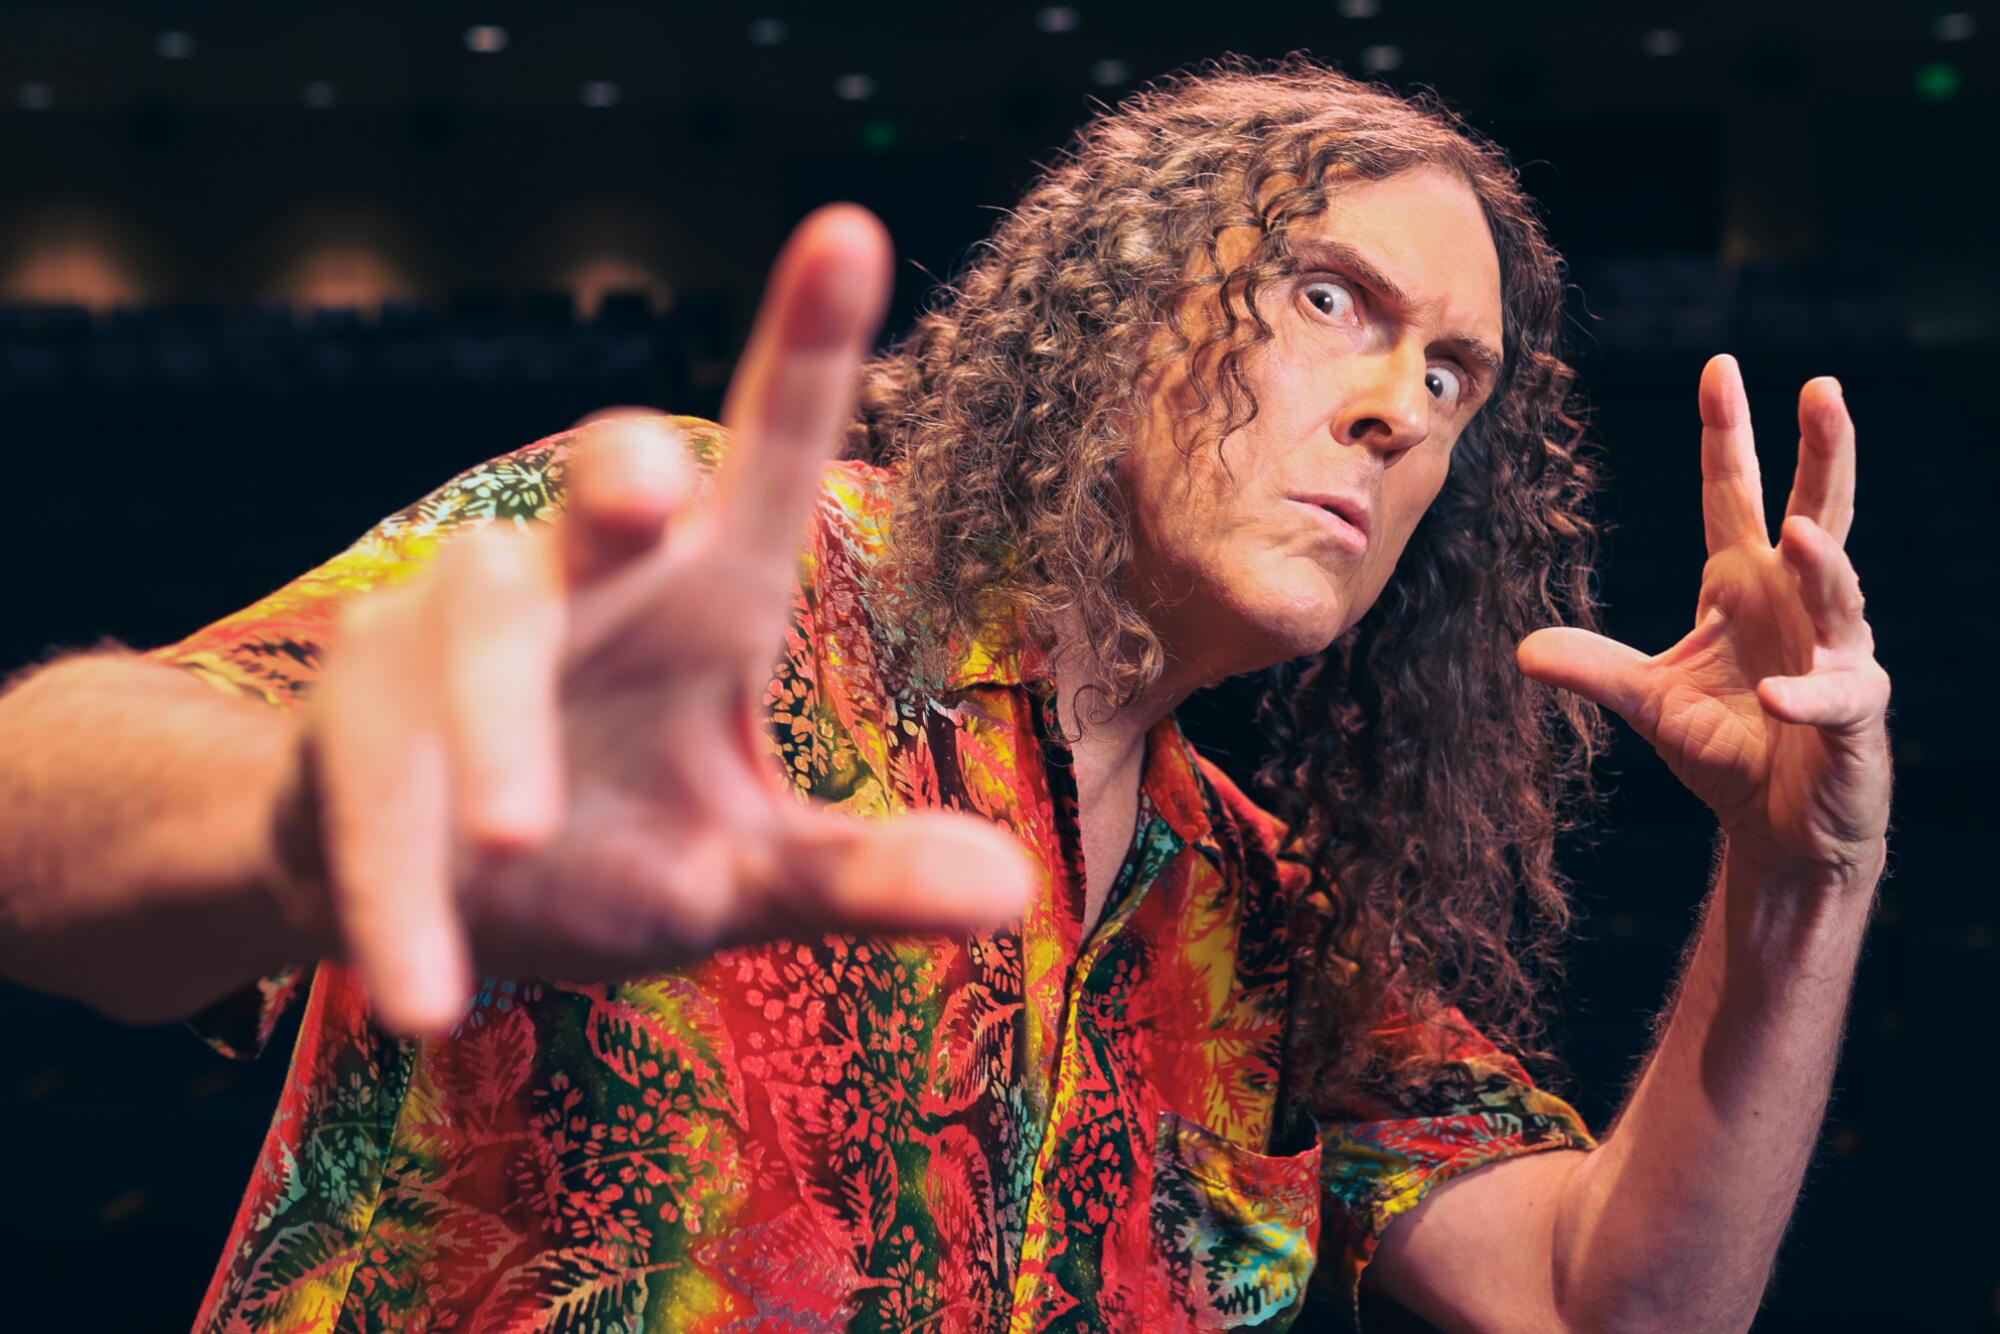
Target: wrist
<point>1850,873</point>
<point>1791,921</point>
<point>297,878</point>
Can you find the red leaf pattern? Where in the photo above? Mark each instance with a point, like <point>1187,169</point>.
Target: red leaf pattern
<point>1022,1130</point>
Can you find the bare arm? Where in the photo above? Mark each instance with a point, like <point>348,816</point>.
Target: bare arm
<point>537,756</point>
<point>136,869</point>
<point>1772,711</point>
<point>1674,1222</point>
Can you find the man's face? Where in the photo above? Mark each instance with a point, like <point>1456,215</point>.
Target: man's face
<point>1383,348</point>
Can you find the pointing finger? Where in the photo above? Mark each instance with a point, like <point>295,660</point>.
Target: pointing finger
<point>1732,491</point>
<point>793,394</point>
<point>384,801</point>
<point>1823,489</point>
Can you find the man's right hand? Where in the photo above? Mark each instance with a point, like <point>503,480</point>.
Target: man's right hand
<point>541,756</point>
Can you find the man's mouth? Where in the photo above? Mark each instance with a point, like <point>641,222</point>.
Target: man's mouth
<point>1344,518</point>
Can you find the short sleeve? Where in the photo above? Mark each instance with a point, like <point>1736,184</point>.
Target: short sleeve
<point>1448,1101</point>
<point>271,650</point>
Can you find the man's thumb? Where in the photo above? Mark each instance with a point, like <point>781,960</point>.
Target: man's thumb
<point>1601,670</point>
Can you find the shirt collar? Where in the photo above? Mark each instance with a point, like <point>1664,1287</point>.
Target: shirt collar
<point>1176,786</point>
<point>999,652</point>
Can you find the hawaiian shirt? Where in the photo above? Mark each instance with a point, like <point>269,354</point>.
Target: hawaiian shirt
<point>1039,1127</point>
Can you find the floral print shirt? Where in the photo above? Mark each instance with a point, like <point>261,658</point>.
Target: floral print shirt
<point>1040,1127</point>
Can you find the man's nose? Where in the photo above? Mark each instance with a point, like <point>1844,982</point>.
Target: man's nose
<point>1388,407</point>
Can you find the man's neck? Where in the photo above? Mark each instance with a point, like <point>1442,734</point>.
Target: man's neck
<point>1108,758</point>
<point>1112,740</point>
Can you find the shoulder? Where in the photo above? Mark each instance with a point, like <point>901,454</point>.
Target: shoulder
<point>539,470</point>
<point>856,501</point>
<point>529,482</point>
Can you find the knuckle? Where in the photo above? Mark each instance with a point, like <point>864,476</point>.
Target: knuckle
<point>626,446</point>
<point>701,918</point>
<point>1852,604</point>
<point>374,616</point>
<point>593,424</point>
<point>496,556</point>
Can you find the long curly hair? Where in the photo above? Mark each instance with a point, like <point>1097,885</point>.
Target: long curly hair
<point>1423,778</point>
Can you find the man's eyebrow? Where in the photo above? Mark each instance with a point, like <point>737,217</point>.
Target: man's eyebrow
<point>1313,253</point>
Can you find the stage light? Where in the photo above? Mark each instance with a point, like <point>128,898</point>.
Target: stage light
<point>174,45</point>
<point>35,96</point>
<point>1057,18</point>
<point>601,93</point>
<point>342,272</point>
<point>71,255</point>
<point>1954,27</point>
<point>1381,59</point>
<point>879,135</point>
<point>486,39</point>
<point>1661,42</point>
<point>768,32</point>
<point>1110,73</point>
<point>854,87</point>
<point>319,95</point>
<point>1359,9</point>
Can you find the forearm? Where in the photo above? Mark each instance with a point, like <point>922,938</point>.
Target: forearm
<point>1675,1221</point>
<point>136,862</point>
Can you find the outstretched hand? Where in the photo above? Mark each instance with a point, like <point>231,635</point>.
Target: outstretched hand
<point>1772,709</point>
<point>541,756</point>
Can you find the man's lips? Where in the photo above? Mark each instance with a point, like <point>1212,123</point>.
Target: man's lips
<point>1345,518</point>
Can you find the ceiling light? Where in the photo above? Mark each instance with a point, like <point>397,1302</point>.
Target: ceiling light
<point>1381,59</point>
<point>768,32</point>
<point>486,39</point>
<point>35,96</point>
<point>1359,9</point>
<point>854,87</point>
<point>1058,18</point>
<point>1110,73</point>
<point>319,95</point>
<point>174,44</point>
<point>1661,42</point>
<point>601,93</point>
<point>1954,27</point>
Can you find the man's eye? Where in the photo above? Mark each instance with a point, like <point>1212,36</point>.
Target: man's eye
<point>1330,298</point>
<point>1446,385</point>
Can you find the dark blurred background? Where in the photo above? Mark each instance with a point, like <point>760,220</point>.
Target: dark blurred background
<point>268,272</point>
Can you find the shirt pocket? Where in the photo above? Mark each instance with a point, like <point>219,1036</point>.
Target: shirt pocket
<point>1235,1232</point>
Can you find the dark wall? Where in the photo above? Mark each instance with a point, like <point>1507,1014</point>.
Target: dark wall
<point>1778,189</point>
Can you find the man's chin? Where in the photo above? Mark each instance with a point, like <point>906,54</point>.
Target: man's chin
<point>1294,628</point>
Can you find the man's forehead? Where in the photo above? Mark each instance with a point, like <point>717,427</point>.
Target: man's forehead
<point>1423,235</point>
<point>1439,312</point>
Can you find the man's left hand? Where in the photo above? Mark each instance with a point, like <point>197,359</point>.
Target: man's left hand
<point>1772,709</point>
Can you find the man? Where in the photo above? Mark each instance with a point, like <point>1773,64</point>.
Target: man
<point>1263,372</point>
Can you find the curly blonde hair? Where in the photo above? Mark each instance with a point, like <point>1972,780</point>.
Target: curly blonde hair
<point>1423,777</point>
